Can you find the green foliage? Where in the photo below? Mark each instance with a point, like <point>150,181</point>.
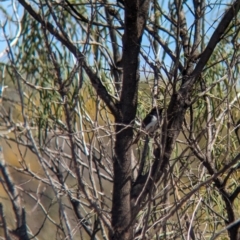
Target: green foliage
<point>61,119</point>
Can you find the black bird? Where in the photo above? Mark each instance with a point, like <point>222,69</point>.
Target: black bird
<point>151,122</point>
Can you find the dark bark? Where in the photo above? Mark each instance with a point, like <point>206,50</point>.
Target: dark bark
<point>62,37</point>
<point>125,110</point>
<point>177,108</point>
<point>136,13</point>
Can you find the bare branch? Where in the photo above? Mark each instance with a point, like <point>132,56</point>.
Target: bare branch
<point>96,82</point>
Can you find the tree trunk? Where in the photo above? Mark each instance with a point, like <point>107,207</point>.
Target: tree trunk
<point>136,14</point>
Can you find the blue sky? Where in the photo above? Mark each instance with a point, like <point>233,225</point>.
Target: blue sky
<point>211,18</point>
<point>10,28</point>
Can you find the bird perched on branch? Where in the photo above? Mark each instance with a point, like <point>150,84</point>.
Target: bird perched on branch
<point>150,123</point>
